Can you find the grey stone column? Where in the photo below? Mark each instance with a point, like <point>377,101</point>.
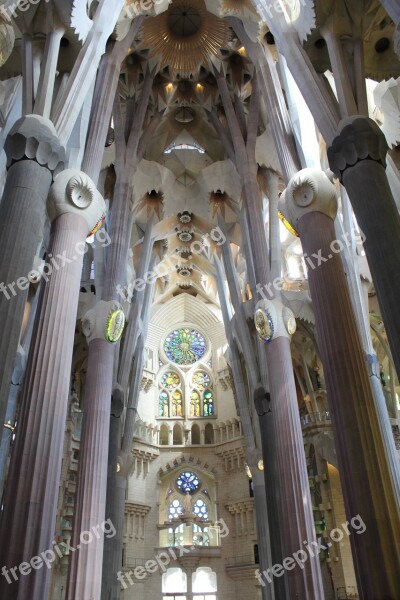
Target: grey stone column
<point>110,586</point>
<point>33,155</point>
<point>85,568</point>
<point>365,471</point>
<point>294,491</point>
<point>262,402</point>
<point>31,499</point>
<point>358,157</point>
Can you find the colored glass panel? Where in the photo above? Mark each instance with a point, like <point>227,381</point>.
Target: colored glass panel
<point>184,346</point>
<point>188,482</point>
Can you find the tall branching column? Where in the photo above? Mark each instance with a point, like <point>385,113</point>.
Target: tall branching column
<point>367,480</point>
<point>34,154</point>
<point>294,492</point>
<point>252,452</point>
<point>31,500</point>
<point>85,570</point>
<point>358,157</point>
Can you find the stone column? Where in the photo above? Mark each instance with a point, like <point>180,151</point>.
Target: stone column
<point>358,157</point>
<point>34,154</point>
<point>275,324</point>
<point>310,203</point>
<point>103,327</point>
<point>31,499</point>
<point>110,587</point>
<point>262,402</point>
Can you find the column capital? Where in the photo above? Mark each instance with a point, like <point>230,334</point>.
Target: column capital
<point>273,319</point>
<point>310,190</point>
<point>359,139</point>
<point>34,138</point>
<point>105,321</point>
<point>75,193</point>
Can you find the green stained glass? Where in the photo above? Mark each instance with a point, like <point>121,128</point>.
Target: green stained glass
<point>208,404</point>
<point>201,380</point>
<point>170,380</point>
<point>163,404</point>
<point>184,346</point>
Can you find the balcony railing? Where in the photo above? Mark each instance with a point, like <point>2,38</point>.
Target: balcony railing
<point>322,418</point>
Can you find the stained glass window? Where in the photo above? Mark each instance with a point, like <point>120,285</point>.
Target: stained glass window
<point>200,509</point>
<point>175,509</point>
<point>188,482</point>
<point>195,404</point>
<point>170,380</point>
<point>200,536</point>
<point>184,346</point>
<point>201,380</point>
<point>163,404</point>
<point>177,410</point>
<point>208,404</point>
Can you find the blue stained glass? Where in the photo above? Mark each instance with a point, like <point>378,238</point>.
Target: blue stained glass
<point>188,482</point>
<point>184,346</point>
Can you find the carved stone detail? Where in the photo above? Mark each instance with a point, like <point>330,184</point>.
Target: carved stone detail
<point>310,190</point>
<point>74,192</point>
<point>35,138</point>
<point>359,139</point>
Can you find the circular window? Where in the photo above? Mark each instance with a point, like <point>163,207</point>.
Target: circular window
<point>188,482</point>
<point>184,346</point>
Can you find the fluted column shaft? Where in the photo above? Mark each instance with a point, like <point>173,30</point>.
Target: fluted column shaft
<point>33,153</point>
<point>358,157</point>
<point>85,569</point>
<point>32,493</point>
<point>363,463</point>
<point>22,217</point>
<point>293,493</point>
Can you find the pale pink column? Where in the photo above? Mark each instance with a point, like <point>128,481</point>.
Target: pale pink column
<point>365,471</point>
<point>31,498</point>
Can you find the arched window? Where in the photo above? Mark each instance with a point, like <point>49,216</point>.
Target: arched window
<point>177,435</point>
<point>170,400</point>
<point>200,509</point>
<point>201,396</point>
<point>175,510</point>
<point>164,435</point>
<point>195,434</point>
<point>209,434</point>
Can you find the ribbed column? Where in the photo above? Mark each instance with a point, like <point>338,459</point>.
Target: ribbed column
<point>297,524</point>
<point>263,530</point>
<point>110,587</point>
<point>363,463</point>
<point>85,568</point>
<point>31,499</point>
<point>367,480</point>
<point>33,154</point>
<point>271,476</point>
<point>358,157</point>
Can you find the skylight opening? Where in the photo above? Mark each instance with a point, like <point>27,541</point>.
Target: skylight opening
<point>194,147</point>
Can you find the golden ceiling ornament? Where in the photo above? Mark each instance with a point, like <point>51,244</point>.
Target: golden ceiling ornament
<point>185,37</point>
<point>237,7</point>
<point>152,202</point>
